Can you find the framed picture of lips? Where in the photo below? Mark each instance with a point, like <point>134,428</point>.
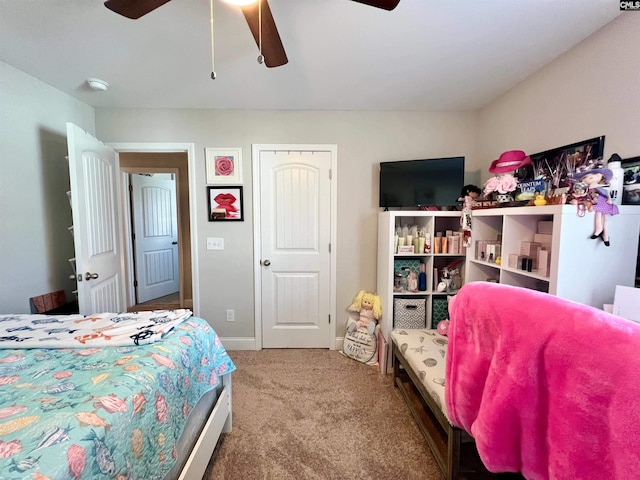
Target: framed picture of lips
<point>225,204</point>
<point>224,165</point>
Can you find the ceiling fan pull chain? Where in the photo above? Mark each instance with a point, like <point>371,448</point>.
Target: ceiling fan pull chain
<point>260,56</point>
<point>213,70</point>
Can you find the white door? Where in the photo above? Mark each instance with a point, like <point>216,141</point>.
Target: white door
<point>295,213</point>
<point>94,178</point>
<point>155,230</point>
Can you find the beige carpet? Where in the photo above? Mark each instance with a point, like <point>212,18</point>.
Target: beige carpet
<point>315,414</point>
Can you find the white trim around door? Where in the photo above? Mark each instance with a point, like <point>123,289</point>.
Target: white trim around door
<point>189,148</point>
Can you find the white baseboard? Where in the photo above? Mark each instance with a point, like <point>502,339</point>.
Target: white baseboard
<point>239,343</point>
<point>249,343</point>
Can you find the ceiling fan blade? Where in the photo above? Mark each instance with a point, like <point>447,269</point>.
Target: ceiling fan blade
<point>272,48</point>
<point>133,9</point>
<point>384,4</point>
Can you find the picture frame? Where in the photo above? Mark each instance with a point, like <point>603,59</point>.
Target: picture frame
<point>631,181</point>
<point>225,204</point>
<point>556,166</point>
<point>223,165</point>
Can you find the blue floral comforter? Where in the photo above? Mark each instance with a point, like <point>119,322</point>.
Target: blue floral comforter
<point>109,412</point>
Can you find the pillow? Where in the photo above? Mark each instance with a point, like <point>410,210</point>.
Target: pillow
<point>361,346</point>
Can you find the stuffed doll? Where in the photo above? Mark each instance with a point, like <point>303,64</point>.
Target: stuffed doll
<point>370,311</point>
<point>468,194</point>
<point>601,203</point>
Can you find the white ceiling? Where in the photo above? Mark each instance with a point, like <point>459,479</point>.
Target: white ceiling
<point>424,55</point>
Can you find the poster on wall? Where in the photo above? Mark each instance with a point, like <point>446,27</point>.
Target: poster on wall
<point>555,166</point>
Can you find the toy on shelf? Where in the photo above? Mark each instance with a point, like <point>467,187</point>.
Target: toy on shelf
<point>538,199</point>
<point>601,203</point>
<point>468,194</point>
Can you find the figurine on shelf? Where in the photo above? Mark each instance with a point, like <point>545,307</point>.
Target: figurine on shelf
<point>538,199</point>
<point>595,180</point>
<point>468,194</point>
<point>469,191</point>
<point>583,197</point>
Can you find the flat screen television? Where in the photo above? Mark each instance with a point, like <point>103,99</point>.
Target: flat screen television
<point>416,183</point>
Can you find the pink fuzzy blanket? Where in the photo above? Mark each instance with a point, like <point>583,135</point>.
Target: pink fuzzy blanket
<point>546,386</point>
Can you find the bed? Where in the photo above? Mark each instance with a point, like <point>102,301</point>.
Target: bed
<point>121,396</point>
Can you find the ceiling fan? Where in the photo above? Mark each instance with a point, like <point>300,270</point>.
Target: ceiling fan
<point>269,42</point>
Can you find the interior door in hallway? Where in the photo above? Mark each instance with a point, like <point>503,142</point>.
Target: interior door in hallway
<point>295,212</point>
<point>93,175</point>
<point>155,230</point>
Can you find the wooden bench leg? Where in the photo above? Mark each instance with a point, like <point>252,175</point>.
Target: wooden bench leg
<point>453,457</point>
<point>396,370</point>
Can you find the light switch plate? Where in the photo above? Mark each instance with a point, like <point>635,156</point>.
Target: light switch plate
<point>215,243</point>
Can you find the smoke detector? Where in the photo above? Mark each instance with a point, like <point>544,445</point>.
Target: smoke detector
<point>97,84</point>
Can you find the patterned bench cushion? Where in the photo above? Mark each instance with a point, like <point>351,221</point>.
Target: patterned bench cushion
<point>425,351</point>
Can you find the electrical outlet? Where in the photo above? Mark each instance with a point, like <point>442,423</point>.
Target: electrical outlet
<point>214,243</point>
<point>231,315</point>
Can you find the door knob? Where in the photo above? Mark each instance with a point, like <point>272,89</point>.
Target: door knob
<point>266,263</point>
<point>174,243</point>
<point>88,276</point>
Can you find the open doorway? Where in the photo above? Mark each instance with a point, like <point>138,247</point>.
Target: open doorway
<point>154,238</point>
<point>161,165</point>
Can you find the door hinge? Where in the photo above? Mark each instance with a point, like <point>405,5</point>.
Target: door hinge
<point>135,283</point>
<point>329,318</point>
<point>130,188</point>
<point>329,248</point>
<point>330,174</point>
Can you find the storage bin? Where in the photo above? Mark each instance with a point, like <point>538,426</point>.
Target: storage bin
<point>409,313</point>
<point>439,310</point>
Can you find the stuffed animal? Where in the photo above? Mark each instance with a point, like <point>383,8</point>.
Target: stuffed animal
<point>370,311</point>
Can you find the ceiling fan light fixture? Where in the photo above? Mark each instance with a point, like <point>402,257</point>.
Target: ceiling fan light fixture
<point>97,84</point>
<point>241,3</point>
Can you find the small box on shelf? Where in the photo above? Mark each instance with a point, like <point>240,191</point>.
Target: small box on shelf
<point>515,260</point>
<point>530,249</point>
<point>545,227</point>
<point>488,250</point>
<point>544,263</point>
<point>544,239</point>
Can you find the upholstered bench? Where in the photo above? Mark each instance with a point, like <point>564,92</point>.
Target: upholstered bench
<point>419,372</point>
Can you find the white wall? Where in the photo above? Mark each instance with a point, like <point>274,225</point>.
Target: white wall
<point>363,138</point>
<point>34,177</point>
<point>591,90</point>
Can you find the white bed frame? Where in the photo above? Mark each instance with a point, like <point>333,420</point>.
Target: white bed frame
<point>219,422</point>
